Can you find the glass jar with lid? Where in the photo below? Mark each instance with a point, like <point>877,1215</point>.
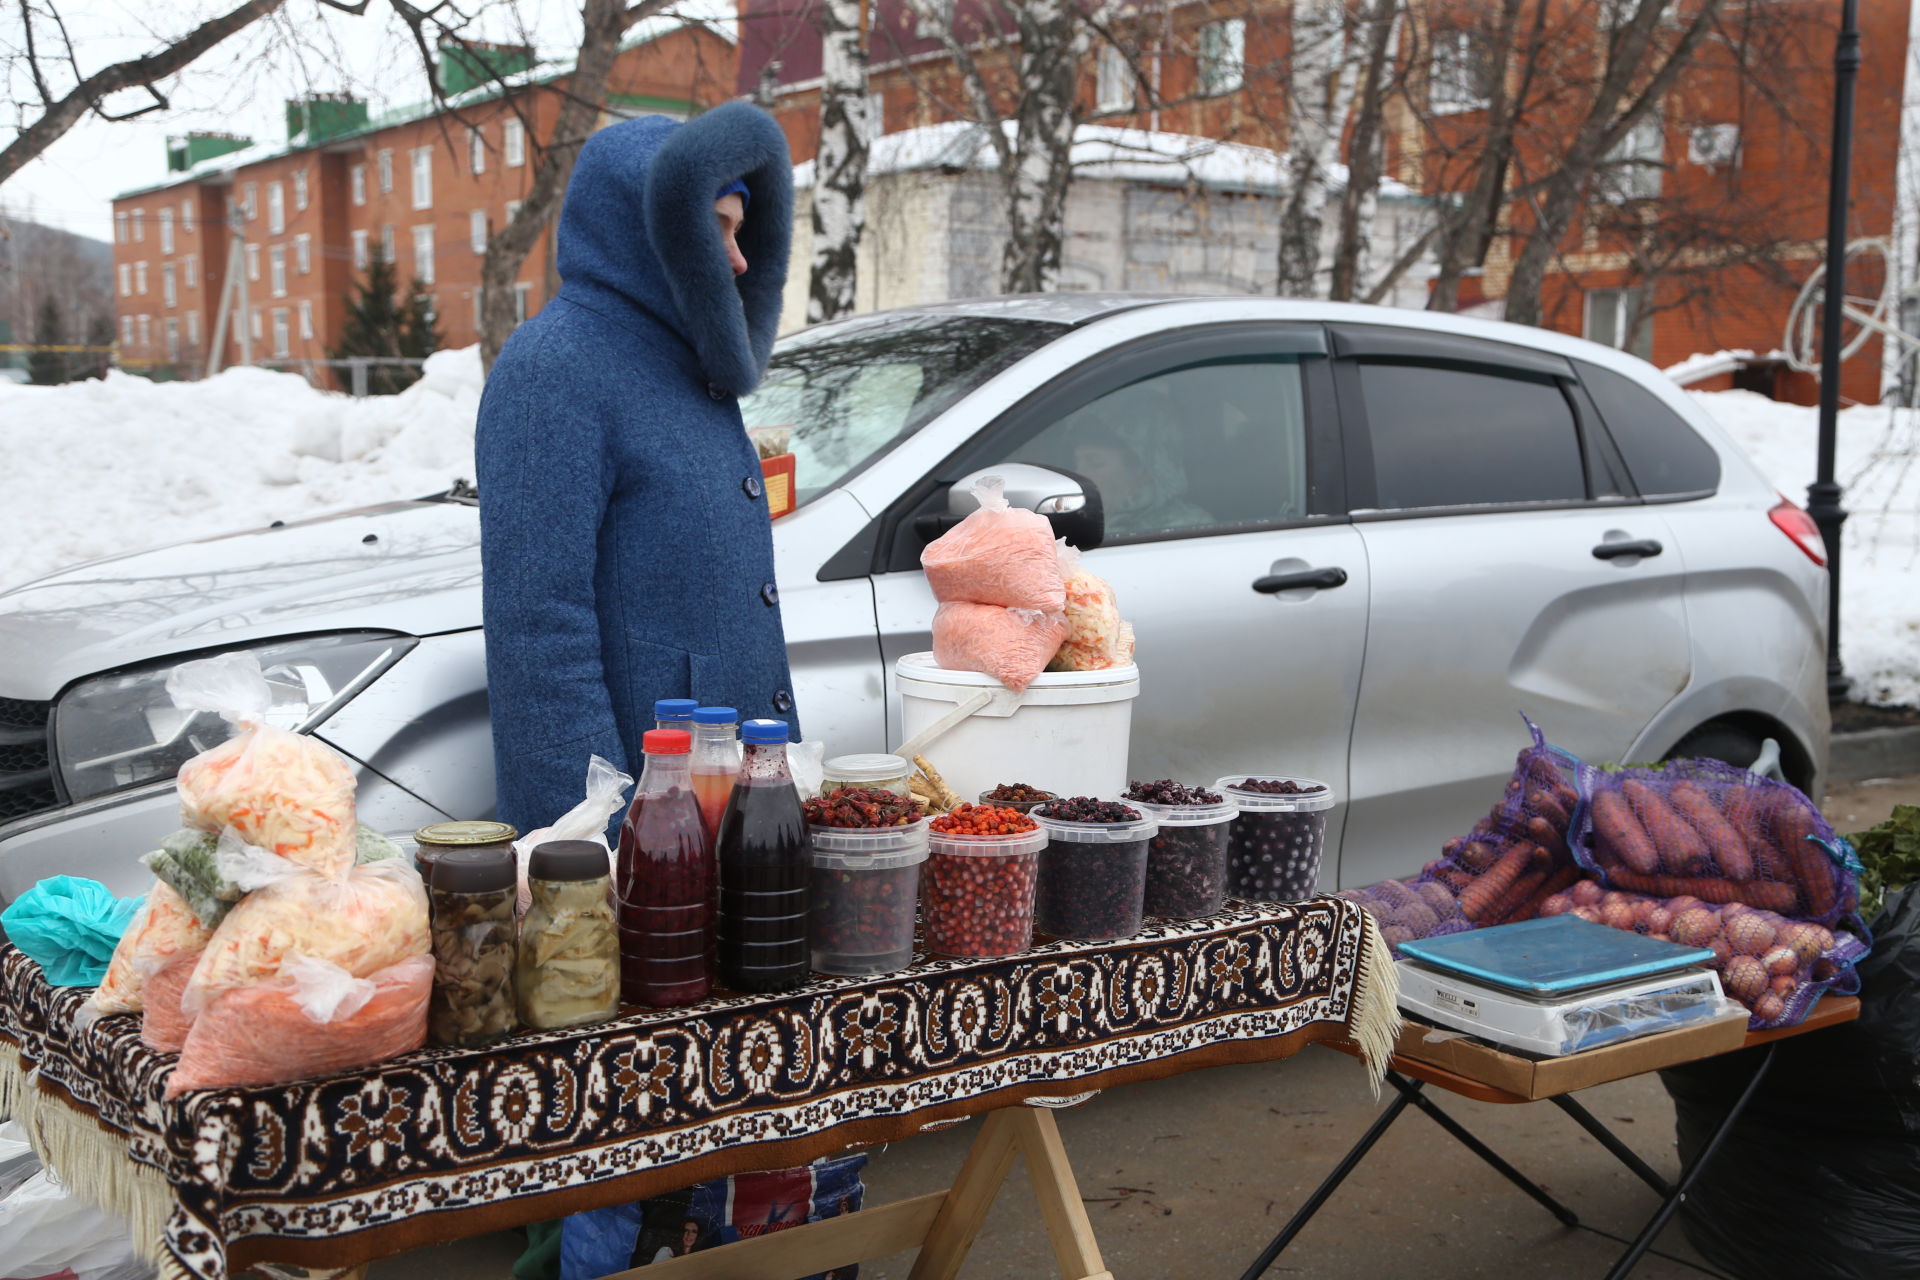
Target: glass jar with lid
<point>568,973</point>
<point>874,769</point>
<point>472,897</point>
<point>430,842</point>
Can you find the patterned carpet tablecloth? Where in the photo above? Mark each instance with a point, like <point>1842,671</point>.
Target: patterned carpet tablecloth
<point>444,1143</point>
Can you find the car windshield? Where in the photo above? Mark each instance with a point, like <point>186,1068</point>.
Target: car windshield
<point>841,397</point>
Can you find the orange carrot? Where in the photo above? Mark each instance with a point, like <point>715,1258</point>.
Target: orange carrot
<point>1479,897</point>
<point>1621,835</point>
<point>1767,896</point>
<point>1679,845</point>
<point>1726,845</point>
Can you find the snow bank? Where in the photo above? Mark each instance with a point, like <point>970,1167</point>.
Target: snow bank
<point>1878,462</point>
<point>96,468</point>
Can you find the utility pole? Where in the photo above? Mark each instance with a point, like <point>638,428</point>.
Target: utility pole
<point>1823,495</point>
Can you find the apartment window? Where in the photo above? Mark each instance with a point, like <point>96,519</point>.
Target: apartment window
<point>1634,169</point>
<point>360,251</point>
<point>166,231</point>
<point>146,331</point>
<point>282,335</point>
<point>423,177</point>
<point>1618,318</point>
<point>126,331</point>
<point>193,328</point>
<point>1459,74</point>
<point>186,216</point>
<point>513,209</point>
<point>1114,81</point>
<point>423,254</point>
<point>139,226</point>
<point>249,200</point>
<point>300,190</point>
<point>277,270</point>
<point>357,179</point>
<point>386,243</point>
<point>193,271</point>
<point>140,278</point>
<point>477,230</point>
<point>169,289</point>
<point>306,320</point>
<point>1714,145</point>
<point>126,280</point>
<point>1223,56</point>
<point>120,227</point>
<point>477,149</point>
<point>253,324</point>
<point>385,159</point>
<point>515,145</point>
<point>276,208</point>
<point>303,254</point>
<point>173,338</point>
<point>521,292</point>
<point>253,262</point>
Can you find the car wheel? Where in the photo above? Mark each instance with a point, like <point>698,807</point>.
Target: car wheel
<point>1722,742</point>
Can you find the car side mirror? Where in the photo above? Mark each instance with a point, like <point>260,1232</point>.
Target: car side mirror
<point>1070,502</point>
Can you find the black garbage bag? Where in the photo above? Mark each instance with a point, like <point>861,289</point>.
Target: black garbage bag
<point>1821,1177</point>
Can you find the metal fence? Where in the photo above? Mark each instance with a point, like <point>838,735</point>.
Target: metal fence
<point>322,373</point>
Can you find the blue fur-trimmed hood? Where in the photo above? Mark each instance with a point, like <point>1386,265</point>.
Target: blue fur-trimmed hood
<point>638,227</point>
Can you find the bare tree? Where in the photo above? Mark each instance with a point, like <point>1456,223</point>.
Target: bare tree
<point>840,162</point>
<point>1321,92</point>
<point>1366,155</point>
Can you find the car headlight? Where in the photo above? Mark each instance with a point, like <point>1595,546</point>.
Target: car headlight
<point>122,729</point>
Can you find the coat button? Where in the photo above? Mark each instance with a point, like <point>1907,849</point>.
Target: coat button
<point>752,487</point>
<point>770,593</point>
<point>716,391</point>
<point>783,702</point>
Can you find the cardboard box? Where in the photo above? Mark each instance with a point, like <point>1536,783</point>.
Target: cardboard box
<point>1531,1077</point>
<point>778,471</point>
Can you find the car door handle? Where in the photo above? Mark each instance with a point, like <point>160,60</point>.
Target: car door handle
<point>1637,547</point>
<point>1317,579</point>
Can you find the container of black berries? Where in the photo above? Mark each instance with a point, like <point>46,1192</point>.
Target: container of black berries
<point>1093,872</point>
<point>1274,849</point>
<point>866,883</point>
<point>1187,859</point>
<point>1017,796</point>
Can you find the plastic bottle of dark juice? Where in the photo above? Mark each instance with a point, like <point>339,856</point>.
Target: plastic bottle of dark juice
<point>764,869</point>
<point>665,882</point>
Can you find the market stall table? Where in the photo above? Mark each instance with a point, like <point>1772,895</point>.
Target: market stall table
<point>1409,1075</point>
<point>447,1143</point>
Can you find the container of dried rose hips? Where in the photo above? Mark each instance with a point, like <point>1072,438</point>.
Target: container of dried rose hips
<point>1018,796</point>
<point>982,864</point>
<point>1093,876</point>
<point>865,885</point>
<point>1187,858</point>
<point>1274,851</point>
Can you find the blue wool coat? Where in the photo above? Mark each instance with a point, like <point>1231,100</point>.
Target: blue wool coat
<point>624,532</point>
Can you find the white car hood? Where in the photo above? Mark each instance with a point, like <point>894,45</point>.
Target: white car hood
<point>412,567</point>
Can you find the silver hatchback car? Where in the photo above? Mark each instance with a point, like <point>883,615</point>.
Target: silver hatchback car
<point>1355,544</point>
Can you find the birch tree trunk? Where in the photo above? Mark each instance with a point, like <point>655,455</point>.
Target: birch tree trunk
<point>840,164</point>
<point>1322,91</point>
<point>1053,40</point>
<point>1361,200</point>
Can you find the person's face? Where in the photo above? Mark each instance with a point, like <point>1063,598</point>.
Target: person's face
<point>1113,472</point>
<point>690,1233</point>
<point>731,210</point>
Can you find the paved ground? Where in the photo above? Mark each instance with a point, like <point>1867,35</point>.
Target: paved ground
<point>1189,1177</point>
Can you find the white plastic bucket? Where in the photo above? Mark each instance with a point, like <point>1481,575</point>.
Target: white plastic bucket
<point>1067,733</point>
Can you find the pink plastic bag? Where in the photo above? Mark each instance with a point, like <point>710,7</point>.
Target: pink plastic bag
<point>998,555</point>
<point>164,1026</point>
<point>1011,645</point>
<point>311,1019</point>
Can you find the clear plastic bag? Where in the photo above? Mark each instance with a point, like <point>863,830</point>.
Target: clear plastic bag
<point>163,1026</point>
<point>46,1230</point>
<point>607,789</point>
<point>165,927</point>
<point>312,1018</point>
<point>192,863</point>
<point>1011,645</point>
<point>373,917</point>
<point>284,792</point>
<point>1097,638</point>
<point>997,555</point>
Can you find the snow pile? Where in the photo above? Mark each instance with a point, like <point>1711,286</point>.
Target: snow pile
<point>97,468</point>
<point>1878,462</point>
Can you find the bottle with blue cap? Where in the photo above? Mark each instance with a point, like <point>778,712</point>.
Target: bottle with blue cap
<point>765,866</point>
<point>716,761</point>
<point>674,713</point>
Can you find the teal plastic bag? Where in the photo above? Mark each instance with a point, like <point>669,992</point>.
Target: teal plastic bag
<point>69,927</point>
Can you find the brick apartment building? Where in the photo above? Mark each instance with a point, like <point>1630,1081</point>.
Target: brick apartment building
<point>1720,161</point>
<point>415,186</point>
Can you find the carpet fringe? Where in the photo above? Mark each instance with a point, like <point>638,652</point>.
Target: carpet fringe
<point>11,1078</point>
<point>1375,1027</point>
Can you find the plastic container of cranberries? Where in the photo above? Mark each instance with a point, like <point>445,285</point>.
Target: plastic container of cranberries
<point>1276,842</point>
<point>1093,877</point>
<point>1187,859</point>
<point>977,893</point>
<point>865,885</point>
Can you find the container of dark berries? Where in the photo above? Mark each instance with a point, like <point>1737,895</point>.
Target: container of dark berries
<point>1274,850</point>
<point>1093,875</point>
<point>1187,860</point>
<point>982,864</point>
<point>1017,796</point>
<point>865,885</point>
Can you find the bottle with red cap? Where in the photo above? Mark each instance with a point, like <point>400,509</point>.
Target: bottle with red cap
<point>665,884</point>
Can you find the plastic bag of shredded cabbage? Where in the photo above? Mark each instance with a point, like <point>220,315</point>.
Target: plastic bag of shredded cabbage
<point>1011,645</point>
<point>284,792</point>
<point>997,555</point>
<point>1097,638</point>
<point>165,928</point>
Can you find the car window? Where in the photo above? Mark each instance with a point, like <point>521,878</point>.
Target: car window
<point>1665,456</point>
<point>845,394</point>
<point>1212,446</point>
<point>1446,437</point>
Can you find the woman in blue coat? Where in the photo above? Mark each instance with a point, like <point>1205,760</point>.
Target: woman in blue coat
<point>624,533</point>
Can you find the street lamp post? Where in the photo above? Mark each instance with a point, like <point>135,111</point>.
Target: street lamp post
<point>1823,495</point>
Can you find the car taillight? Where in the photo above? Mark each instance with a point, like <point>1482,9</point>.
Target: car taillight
<point>1799,527</point>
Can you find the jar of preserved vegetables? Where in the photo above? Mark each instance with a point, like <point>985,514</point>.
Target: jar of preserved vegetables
<point>472,896</point>
<point>432,841</point>
<point>880,771</point>
<point>569,969</point>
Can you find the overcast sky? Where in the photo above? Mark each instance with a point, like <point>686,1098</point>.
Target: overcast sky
<point>240,87</point>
